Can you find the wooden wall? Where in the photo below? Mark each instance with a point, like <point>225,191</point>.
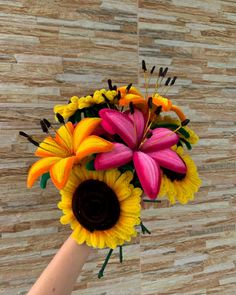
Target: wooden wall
<point>51,50</point>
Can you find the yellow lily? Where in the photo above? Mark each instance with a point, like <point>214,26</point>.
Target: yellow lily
<point>69,146</point>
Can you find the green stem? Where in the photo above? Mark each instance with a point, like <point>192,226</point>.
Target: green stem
<point>121,254</point>
<point>144,229</point>
<point>152,201</point>
<point>100,274</point>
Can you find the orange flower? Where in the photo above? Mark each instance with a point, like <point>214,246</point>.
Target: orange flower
<point>70,145</point>
<point>167,105</point>
<point>133,95</point>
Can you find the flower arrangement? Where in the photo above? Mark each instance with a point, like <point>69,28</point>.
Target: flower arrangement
<point>112,148</point>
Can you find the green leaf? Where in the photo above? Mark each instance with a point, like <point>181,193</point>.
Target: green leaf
<point>76,117</point>
<point>90,165</point>
<point>43,180</point>
<point>188,145</point>
<point>88,113</point>
<point>127,167</point>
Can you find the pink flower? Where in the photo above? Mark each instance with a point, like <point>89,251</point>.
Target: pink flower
<point>148,154</point>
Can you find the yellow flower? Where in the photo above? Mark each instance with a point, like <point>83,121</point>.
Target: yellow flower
<point>180,187</point>
<point>70,145</point>
<point>102,207</point>
<point>69,109</point>
<point>84,102</point>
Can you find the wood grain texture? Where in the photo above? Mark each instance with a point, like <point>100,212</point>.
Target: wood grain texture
<point>51,50</point>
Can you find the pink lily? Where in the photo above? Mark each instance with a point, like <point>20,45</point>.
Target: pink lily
<point>148,154</point>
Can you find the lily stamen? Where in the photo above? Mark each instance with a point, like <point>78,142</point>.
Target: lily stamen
<point>49,125</point>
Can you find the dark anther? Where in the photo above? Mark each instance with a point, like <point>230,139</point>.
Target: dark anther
<point>144,66</point>
<point>152,70</point>
<point>47,123</point>
<point>114,87</point>
<point>30,139</point>
<point>160,72</point>
<point>118,95</point>
<point>21,133</point>
<point>173,81</point>
<point>109,84</point>
<point>150,102</point>
<point>60,118</point>
<point>165,72</point>
<point>167,81</point>
<point>106,99</point>
<point>44,126</point>
<point>185,122</point>
<point>95,205</point>
<point>158,110</point>
<point>131,107</point>
<point>149,134</point>
<point>128,87</point>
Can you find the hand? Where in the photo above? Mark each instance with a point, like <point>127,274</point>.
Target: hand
<point>60,275</point>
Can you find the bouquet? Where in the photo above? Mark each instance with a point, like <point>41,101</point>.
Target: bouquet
<point>113,150</point>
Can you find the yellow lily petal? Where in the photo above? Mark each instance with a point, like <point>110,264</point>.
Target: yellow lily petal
<point>83,129</point>
<point>64,136</point>
<point>50,148</point>
<point>91,145</point>
<point>40,167</point>
<point>60,171</point>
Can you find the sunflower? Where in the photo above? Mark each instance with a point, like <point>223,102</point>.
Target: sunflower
<point>181,187</point>
<point>102,207</point>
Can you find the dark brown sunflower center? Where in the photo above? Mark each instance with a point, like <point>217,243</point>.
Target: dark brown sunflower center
<point>95,205</point>
<point>173,175</point>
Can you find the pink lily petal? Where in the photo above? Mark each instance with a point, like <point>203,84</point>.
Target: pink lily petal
<point>106,126</point>
<point>120,155</point>
<point>149,174</point>
<point>161,138</point>
<point>139,122</point>
<point>169,159</point>
<point>120,124</point>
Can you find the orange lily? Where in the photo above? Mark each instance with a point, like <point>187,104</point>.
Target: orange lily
<point>70,145</point>
<point>167,106</point>
<point>133,96</point>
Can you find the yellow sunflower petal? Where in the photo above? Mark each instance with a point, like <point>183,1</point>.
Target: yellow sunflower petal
<point>111,176</point>
<point>64,205</point>
<point>101,240</point>
<point>60,171</point>
<point>76,233</point>
<point>40,167</point>
<point>125,178</point>
<point>91,145</point>
<point>111,241</point>
<point>81,238</point>
<point>83,129</point>
<point>94,239</point>
<point>67,218</point>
